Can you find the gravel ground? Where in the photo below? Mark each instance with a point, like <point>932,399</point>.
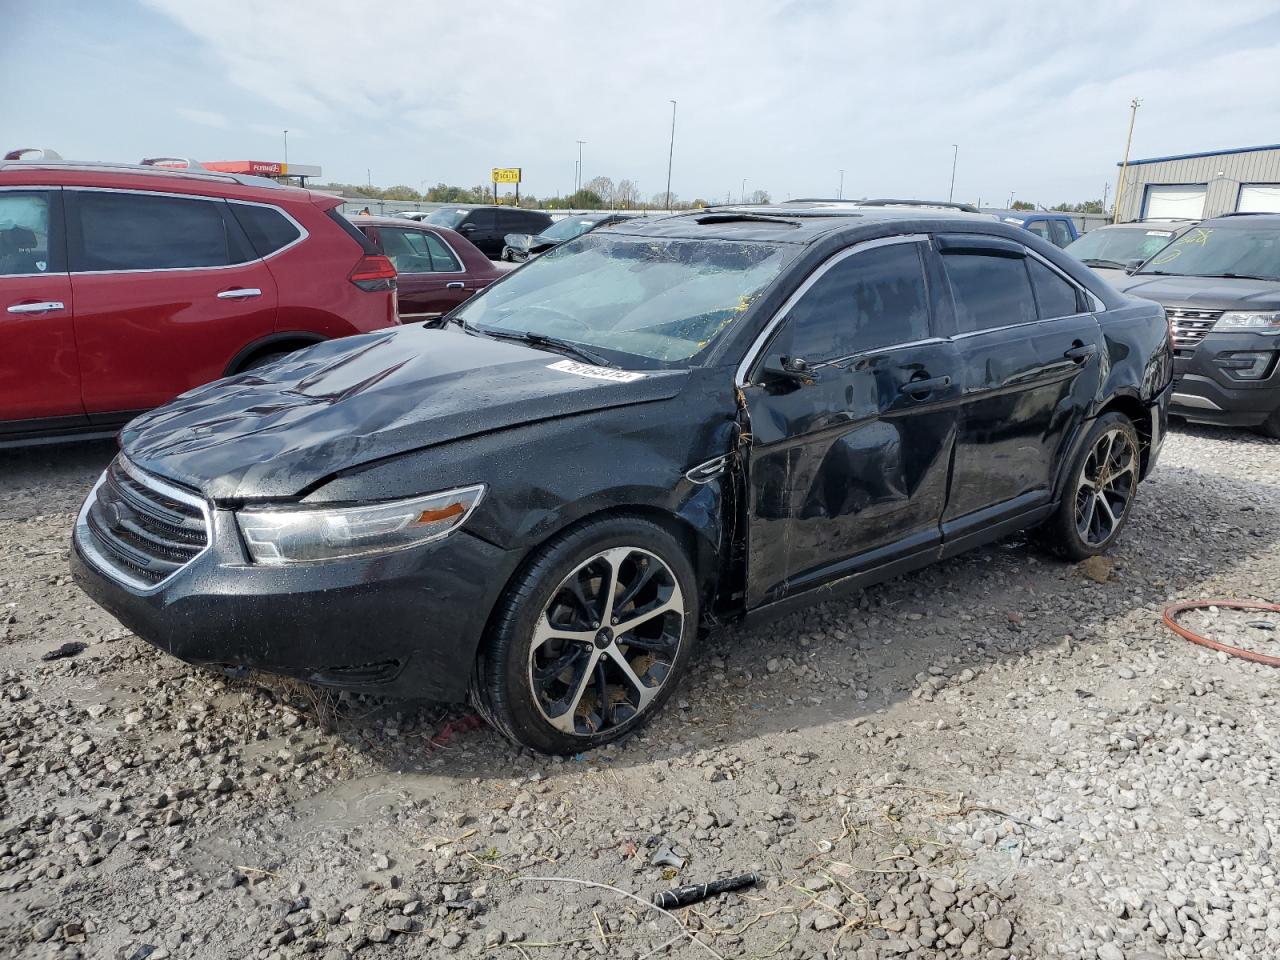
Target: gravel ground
<point>1001,756</point>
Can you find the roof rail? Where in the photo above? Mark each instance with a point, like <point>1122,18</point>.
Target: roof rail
<point>24,153</point>
<point>966,207</point>
<point>172,163</point>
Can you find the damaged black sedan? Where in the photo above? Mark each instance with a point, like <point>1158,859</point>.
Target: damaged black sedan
<point>542,501</point>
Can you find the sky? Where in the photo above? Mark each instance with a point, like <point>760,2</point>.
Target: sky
<point>783,94</point>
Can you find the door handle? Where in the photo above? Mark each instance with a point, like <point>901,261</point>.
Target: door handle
<point>1080,352</point>
<point>241,293</point>
<point>455,285</point>
<point>43,307</point>
<point>919,389</point>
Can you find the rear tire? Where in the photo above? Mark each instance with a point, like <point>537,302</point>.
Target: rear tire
<point>552,674</point>
<point>1098,493</point>
<point>265,358</point>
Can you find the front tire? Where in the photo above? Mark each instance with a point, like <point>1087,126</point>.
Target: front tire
<point>590,639</point>
<point>1099,492</point>
<point>1270,427</point>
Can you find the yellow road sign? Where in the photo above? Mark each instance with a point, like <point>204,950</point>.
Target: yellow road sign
<point>506,174</point>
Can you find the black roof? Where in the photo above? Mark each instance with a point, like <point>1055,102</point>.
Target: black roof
<point>790,223</point>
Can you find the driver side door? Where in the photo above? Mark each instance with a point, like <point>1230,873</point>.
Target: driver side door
<point>849,466</point>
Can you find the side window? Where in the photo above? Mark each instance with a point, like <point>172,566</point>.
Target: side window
<point>869,300</point>
<point>406,249</point>
<point>1039,227</point>
<point>1055,297</point>
<point>442,258</point>
<point>267,228</point>
<point>24,234</point>
<point>133,231</point>
<point>482,219</point>
<point>989,291</point>
<point>1059,233</point>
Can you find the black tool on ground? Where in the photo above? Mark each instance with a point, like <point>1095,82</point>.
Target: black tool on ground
<point>695,892</point>
<point>66,650</point>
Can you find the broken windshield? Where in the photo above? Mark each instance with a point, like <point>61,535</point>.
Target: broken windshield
<point>659,300</point>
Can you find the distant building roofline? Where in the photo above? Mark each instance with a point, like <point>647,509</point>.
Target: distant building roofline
<point>1197,156</point>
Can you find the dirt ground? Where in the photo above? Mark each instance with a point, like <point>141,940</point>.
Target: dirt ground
<point>1001,756</point>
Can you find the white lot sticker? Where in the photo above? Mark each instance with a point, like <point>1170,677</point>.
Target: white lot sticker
<point>1159,233</point>
<point>598,373</point>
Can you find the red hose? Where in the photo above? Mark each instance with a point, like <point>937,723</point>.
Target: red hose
<point>1173,610</point>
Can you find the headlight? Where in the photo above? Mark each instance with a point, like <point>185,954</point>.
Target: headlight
<point>1268,322</point>
<point>281,535</point>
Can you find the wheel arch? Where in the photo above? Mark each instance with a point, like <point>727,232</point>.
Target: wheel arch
<point>271,343</point>
<point>1140,416</point>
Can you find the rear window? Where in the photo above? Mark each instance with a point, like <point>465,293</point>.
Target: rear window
<point>132,231</point>
<point>267,228</point>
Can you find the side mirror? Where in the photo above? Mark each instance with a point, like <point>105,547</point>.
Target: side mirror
<point>467,228</point>
<point>791,371</point>
<point>1131,266</point>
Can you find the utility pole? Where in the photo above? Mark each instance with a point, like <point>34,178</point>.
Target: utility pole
<point>954,157</point>
<point>286,151</point>
<point>1009,205</point>
<point>671,153</point>
<point>839,191</point>
<point>1106,189</point>
<point>368,176</point>
<point>580,143</point>
<point>1134,104</point>
<point>744,191</point>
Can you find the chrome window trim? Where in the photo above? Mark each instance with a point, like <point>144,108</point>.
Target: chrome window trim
<point>303,233</point>
<point>757,345</point>
<point>84,536</point>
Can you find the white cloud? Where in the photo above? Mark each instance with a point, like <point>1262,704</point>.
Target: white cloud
<point>781,93</point>
<point>206,118</point>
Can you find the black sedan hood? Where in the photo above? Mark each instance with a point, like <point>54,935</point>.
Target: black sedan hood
<point>1210,293</point>
<point>275,432</point>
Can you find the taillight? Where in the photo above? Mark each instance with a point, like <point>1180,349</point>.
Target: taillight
<point>373,274</point>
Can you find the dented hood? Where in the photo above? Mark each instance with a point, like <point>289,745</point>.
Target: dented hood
<point>275,432</point>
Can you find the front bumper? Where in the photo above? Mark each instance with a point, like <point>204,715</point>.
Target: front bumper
<point>402,624</point>
<point>1205,392</point>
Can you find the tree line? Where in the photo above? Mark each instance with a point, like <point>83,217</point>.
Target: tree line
<point>598,193</point>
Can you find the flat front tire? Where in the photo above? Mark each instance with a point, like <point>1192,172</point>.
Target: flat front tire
<point>590,638</point>
<point>1099,491</point>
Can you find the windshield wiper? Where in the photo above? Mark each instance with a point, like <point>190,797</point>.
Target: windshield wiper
<point>542,340</point>
<point>1095,262</point>
<point>1239,276</point>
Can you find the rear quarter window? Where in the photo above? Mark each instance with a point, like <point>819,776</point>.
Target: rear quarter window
<point>267,228</point>
<point>989,291</point>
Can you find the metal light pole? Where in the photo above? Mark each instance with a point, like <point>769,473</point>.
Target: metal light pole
<point>954,157</point>
<point>1009,205</point>
<point>286,151</point>
<point>840,191</point>
<point>744,191</point>
<point>1134,104</point>
<point>580,143</point>
<point>670,153</point>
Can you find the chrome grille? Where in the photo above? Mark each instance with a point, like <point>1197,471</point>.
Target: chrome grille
<point>139,529</point>
<point>1190,326</point>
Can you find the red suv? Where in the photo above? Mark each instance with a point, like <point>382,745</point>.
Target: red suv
<point>123,286</point>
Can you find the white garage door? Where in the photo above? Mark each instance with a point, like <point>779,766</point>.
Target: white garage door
<point>1172,202</point>
<point>1259,198</point>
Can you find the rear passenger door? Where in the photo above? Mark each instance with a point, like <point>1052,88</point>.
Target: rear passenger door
<point>431,279</point>
<point>168,290</point>
<point>39,369</point>
<point>481,228</point>
<point>1030,352</point>
<point>848,472</point>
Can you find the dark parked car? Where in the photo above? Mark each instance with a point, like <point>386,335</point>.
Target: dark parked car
<point>1058,228</point>
<point>436,268</point>
<point>519,247</point>
<point>657,427</point>
<point>1220,283</point>
<point>1113,249</point>
<point>487,227</point>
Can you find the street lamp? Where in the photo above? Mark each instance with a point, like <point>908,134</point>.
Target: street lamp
<point>840,191</point>
<point>954,157</point>
<point>286,151</point>
<point>670,153</point>
<point>744,191</point>
<point>580,143</point>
